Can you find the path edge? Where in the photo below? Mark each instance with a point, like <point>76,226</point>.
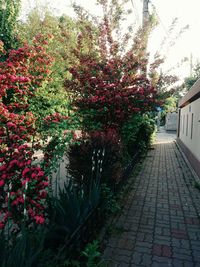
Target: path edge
<point>194,174</point>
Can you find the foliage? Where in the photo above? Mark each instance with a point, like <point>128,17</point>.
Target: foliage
<point>98,153</point>
<point>70,210</point>
<point>9,11</point>
<point>189,81</point>
<point>136,133</point>
<point>180,90</point>
<point>170,104</point>
<point>24,251</point>
<point>108,84</point>
<point>54,151</point>
<point>51,97</point>
<point>55,138</point>
<point>144,136</point>
<point>107,96</point>
<point>108,200</point>
<point>22,183</point>
<point>23,71</point>
<point>91,252</point>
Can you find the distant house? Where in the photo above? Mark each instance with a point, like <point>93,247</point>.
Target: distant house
<point>171,121</point>
<point>188,136</point>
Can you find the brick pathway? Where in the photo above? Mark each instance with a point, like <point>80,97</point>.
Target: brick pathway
<point>160,222</point>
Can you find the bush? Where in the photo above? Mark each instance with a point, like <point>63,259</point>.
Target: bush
<point>100,153</point>
<point>136,134</point>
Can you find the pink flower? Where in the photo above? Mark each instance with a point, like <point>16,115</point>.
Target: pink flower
<point>33,175</point>
<point>10,64</point>
<point>2,183</point>
<point>40,173</point>
<point>39,219</point>
<point>25,171</point>
<point>11,124</point>
<point>3,167</point>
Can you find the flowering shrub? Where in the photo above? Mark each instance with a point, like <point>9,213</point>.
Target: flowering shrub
<point>22,184</point>
<point>24,70</point>
<point>108,87</point>
<point>109,92</point>
<point>108,82</point>
<point>54,118</point>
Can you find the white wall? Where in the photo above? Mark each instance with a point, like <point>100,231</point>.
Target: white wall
<point>190,134</point>
<point>171,121</point>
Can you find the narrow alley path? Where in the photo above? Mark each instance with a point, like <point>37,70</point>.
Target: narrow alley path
<point>160,222</point>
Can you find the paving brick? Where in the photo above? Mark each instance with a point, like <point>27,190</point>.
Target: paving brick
<point>160,215</point>
<point>180,234</point>
<point>182,251</point>
<point>162,260</point>
<point>136,258</point>
<point>124,252</point>
<point>195,245</point>
<point>162,250</point>
<point>179,263</point>
<point>162,240</point>
<point>180,256</point>
<point>122,258</point>
<point>159,264</point>
<point>146,260</point>
<point>142,249</point>
<point>108,252</point>
<point>192,220</point>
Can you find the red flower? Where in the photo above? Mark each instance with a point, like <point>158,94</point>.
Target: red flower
<point>39,219</point>
<point>2,225</point>
<point>2,183</point>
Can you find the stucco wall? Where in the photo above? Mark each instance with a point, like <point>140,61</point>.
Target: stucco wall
<point>189,132</point>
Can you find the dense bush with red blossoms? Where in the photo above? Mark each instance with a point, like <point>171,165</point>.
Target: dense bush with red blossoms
<point>109,85</point>
<point>108,92</point>
<point>23,184</point>
<point>22,73</point>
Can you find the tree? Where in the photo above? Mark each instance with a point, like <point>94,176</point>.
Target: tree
<point>9,11</point>
<point>52,97</point>
<point>189,81</point>
<point>23,184</point>
<point>108,82</point>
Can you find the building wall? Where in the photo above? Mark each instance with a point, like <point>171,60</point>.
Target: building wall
<point>189,128</point>
<point>171,121</point>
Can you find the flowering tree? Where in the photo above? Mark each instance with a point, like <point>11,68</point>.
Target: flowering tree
<point>22,184</point>
<point>108,82</point>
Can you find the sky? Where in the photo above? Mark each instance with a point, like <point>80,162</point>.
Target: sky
<point>186,12</point>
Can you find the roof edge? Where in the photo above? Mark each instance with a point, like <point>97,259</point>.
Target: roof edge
<point>192,95</point>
